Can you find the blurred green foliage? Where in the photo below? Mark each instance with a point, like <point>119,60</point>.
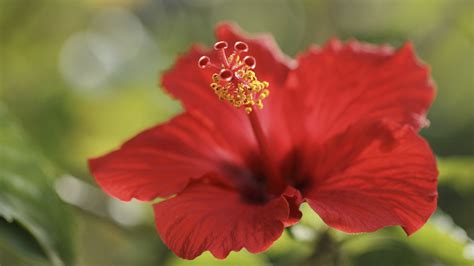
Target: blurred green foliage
<point>80,77</point>
<point>34,222</point>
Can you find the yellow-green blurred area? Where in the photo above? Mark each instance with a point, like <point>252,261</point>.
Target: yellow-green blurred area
<point>78,77</point>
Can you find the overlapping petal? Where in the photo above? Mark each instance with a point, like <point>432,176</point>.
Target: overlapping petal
<point>374,175</point>
<point>342,84</point>
<point>207,217</point>
<point>294,199</point>
<point>160,161</point>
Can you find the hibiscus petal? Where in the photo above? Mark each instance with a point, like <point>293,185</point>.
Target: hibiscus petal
<point>161,161</point>
<point>294,198</point>
<point>206,217</point>
<point>342,84</point>
<point>374,175</point>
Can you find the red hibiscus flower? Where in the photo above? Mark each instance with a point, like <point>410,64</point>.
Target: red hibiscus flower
<point>336,128</point>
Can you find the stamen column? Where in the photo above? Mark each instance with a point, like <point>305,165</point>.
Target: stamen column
<point>275,181</point>
<point>236,83</point>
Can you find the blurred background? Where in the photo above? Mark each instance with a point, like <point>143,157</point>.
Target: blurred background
<point>77,78</point>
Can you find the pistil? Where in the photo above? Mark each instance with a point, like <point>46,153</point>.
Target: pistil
<point>275,181</point>
<point>236,82</point>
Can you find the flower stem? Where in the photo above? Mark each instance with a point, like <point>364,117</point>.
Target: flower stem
<point>275,181</point>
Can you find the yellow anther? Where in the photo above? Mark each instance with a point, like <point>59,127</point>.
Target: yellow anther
<point>235,81</point>
<point>244,90</point>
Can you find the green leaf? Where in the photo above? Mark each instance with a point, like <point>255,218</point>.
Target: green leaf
<point>456,190</point>
<point>443,240</point>
<point>438,241</point>
<point>242,257</point>
<point>34,222</point>
<point>457,172</point>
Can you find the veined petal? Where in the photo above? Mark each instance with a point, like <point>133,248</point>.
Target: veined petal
<point>374,175</point>
<point>160,161</point>
<point>341,84</point>
<point>207,217</point>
